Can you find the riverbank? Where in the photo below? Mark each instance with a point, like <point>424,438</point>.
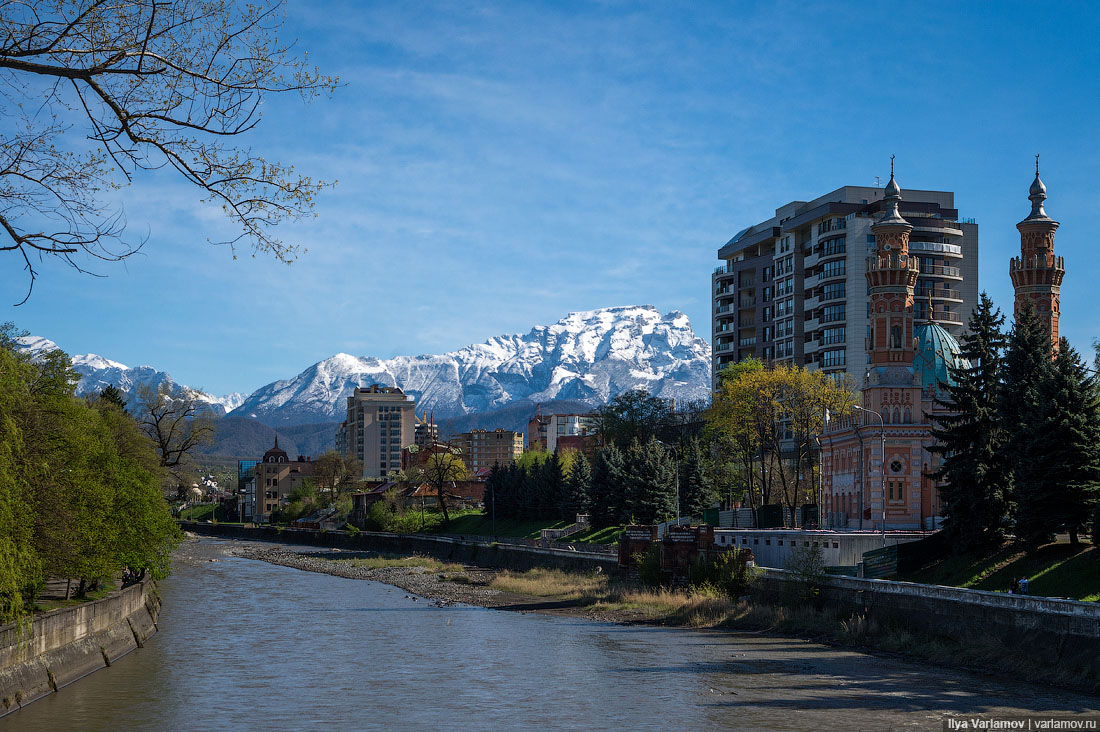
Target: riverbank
<point>58,647</point>
<point>595,595</point>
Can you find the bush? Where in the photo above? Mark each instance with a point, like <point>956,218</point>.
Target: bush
<point>649,566</point>
<point>807,564</point>
<point>728,575</point>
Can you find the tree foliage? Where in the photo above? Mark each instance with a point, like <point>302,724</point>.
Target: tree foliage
<point>441,468</point>
<point>79,484</point>
<point>769,419</point>
<point>970,438</point>
<point>150,85</point>
<point>634,415</point>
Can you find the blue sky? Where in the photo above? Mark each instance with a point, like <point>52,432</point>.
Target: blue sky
<point>502,164</point>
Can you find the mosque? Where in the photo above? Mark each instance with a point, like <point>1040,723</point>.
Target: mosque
<point>908,361</point>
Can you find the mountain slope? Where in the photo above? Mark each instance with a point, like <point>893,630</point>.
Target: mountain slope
<point>585,357</point>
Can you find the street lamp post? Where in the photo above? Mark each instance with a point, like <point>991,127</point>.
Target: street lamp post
<point>882,430</point>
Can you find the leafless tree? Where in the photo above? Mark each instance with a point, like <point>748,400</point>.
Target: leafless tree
<point>151,84</point>
<point>177,424</point>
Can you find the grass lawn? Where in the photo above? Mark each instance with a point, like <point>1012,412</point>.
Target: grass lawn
<point>607,535</point>
<point>1055,570</point>
<point>479,524</point>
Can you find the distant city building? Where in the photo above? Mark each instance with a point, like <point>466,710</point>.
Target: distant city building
<point>275,478</point>
<point>246,488</point>
<point>543,431</point>
<point>792,289</point>
<point>380,422</point>
<point>482,449</point>
<point>426,431</point>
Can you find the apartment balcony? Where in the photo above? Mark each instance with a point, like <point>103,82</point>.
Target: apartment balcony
<point>938,270</point>
<point>938,226</point>
<point>723,347</point>
<point>942,316</point>
<point>724,273</point>
<point>724,309</point>
<point>751,341</point>
<point>747,302</point>
<point>940,293</point>
<point>935,247</point>
<point>830,318</point>
<point>724,327</point>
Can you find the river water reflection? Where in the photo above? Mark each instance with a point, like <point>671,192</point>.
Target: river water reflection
<point>245,645</point>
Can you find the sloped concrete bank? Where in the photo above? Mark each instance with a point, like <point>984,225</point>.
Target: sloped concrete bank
<point>61,646</point>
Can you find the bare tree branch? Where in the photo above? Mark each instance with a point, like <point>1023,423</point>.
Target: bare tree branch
<point>153,84</point>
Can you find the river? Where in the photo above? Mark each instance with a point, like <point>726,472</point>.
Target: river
<point>245,645</point>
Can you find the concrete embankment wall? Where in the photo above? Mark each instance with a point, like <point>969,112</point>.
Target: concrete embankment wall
<point>61,646</point>
<point>1063,632</point>
<point>500,555</point>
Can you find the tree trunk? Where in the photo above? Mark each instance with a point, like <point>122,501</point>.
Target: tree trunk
<point>441,495</point>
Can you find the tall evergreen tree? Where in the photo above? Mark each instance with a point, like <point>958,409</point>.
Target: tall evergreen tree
<point>607,485</point>
<point>971,438</point>
<point>650,477</point>
<point>577,488</point>
<point>1067,453</point>
<point>1028,366</point>
<point>553,488</point>
<point>111,395</point>
<point>696,490</point>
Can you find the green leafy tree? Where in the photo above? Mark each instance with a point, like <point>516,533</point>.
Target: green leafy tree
<point>151,85</point>
<point>1028,368</point>
<point>440,470</point>
<point>971,438</point>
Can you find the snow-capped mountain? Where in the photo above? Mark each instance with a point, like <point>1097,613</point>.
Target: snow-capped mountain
<point>97,372</point>
<point>586,356</point>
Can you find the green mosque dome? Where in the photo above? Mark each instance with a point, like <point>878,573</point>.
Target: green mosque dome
<point>936,351</point>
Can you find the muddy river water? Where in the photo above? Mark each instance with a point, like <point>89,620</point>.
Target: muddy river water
<point>245,645</point>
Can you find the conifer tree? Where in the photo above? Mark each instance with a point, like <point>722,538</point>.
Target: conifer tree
<point>970,438</point>
<point>607,484</point>
<point>1067,452</point>
<point>650,479</point>
<point>696,492</point>
<point>1028,366</point>
<point>111,395</point>
<point>577,488</point>
<point>552,488</point>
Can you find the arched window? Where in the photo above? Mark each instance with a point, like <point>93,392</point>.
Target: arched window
<point>886,416</point>
<point>908,416</point>
<point>897,416</point>
<point>895,336</point>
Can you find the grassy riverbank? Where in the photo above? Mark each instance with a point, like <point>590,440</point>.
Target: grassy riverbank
<point>1055,570</point>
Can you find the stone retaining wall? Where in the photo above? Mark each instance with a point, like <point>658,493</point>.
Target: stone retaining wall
<point>61,646</point>
<point>1065,632</point>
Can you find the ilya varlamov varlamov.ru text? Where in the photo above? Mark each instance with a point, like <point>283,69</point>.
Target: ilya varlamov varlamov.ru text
<point>1021,723</point>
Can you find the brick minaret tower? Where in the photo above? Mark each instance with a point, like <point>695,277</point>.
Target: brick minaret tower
<point>1037,273</point>
<point>891,277</point>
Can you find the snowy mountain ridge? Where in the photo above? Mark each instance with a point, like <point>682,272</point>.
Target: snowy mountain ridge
<point>588,357</point>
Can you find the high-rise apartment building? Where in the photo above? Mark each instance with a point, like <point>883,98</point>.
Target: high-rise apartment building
<point>793,288</point>
<point>380,422</point>
<point>486,448</point>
